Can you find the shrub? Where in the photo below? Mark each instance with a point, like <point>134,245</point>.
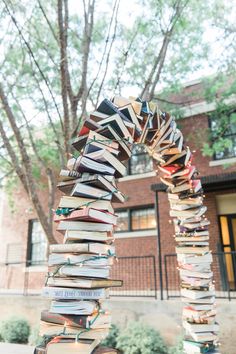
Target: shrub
<point>138,338</point>
<point>111,339</point>
<point>35,338</point>
<point>178,349</point>
<point>15,330</point>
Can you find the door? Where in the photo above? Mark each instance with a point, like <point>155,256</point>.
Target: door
<point>228,239</point>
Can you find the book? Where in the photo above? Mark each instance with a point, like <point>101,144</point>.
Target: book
<point>104,182</point>
<point>84,164</point>
<point>88,214</point>
<point>73,307</point>
<point>84,283</point>
<point>196,294</point>
<point>175,147</point>
<point>80,141</point>
<point>192,250</point>
<point>97,116</point>
<point>88,125</point>
<point>80,202</point>
<point>194,315</point>
<point>201,327</point>
<point>72,236</point>
<point>83,247</point>
<point>129,112</point>
<point>195,274</point>
<point>87,259</point>
<point>199,211</point>
<point>65,345</point>
<point>208,301</point>
<point>103,155</point>
<point>71,293</point>
<point>80,321</point>
<point>103,322</point>
<point>84,271</point>
<point>192,347</point>
<point>109,132</point>
<point>83,226</point>
<point>181,159</point>
<point>193,186</point>
<point>125,131</point>
<point>195,259</point>
<point>204,336</point>
<point>92,146</point>
<point>87,191</point>
<point>190,239</point>
<point>66,175</point>
<point>122,101</point>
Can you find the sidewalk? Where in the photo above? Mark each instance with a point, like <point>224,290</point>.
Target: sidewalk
<point>8,348</point>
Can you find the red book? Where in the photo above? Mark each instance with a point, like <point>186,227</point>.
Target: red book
<point>169,170</point>
<point>88,125</point>
<point>88,214</point>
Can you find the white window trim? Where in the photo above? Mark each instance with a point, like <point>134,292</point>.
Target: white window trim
<point>134,234</point>
<point>138,176</point>
<point>203,107</point>
<point>222,162</point>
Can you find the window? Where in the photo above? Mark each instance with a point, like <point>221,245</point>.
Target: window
<point>37,246</point>
<point>140,161</point>
<point>123,220</point>
<point>143,219</point>
<point>136,219</point>
<point>224,135</point>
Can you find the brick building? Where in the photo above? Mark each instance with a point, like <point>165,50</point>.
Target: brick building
<point>139,236</point>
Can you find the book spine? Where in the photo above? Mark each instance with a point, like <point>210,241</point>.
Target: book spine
<point>60,293</point>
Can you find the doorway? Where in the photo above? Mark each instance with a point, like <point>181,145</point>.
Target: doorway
<point>228,242</point>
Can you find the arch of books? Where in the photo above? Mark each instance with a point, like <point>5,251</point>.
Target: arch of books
<point>78,278</point>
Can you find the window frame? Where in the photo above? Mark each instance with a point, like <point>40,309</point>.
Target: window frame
<point>129,211</point>
<point>226,135</point>
<point>129,172</point>
<point>29,261</point>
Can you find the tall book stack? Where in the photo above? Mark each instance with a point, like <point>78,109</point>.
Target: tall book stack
<point>79,269</point>
<point>194,258</point>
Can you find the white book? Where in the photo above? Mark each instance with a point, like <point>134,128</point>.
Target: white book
<point>194,259</point>
<point>88,260</point>
<point>79,236</point>
<point>85,271</point>
<point>79,307</point>
<point>204,336</point>
<point>84,164</point>
<point>196,294</point>
<point>84,226</point>
<point>210,300</point>
<point>72,293</point>
<point>200,327</point>
<point>82,247</point>
<point>86,191</point>
<point>193,274</point>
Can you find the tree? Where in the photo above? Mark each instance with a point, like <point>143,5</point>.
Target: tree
<point>58,62</point>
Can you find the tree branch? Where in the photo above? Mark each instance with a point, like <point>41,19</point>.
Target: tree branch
<point>34,59</point>
<point>27,177</point>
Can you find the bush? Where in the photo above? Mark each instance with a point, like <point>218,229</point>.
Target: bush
<point>178,349</point>
<point>138,338</point>
<point>111,340</point>
<point>35,338</point>
<point>15,330</point>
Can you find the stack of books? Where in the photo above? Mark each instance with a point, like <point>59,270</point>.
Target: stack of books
<point>79,269</point>
<point>185,194</point>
